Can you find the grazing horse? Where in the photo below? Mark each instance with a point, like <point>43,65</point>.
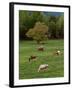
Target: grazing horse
<point>42,67</point>
<point>32,58</point>
<point>41,48</point>
<point>57,52</point>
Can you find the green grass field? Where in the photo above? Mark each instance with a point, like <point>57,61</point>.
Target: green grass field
<point>29,70</point>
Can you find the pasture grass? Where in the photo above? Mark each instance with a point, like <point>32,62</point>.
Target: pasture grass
<point>29,70</point>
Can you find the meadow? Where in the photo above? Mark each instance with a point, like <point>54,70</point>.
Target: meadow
<point>29,70</point>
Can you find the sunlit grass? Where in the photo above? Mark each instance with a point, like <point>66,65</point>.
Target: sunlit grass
<point>28,70</point>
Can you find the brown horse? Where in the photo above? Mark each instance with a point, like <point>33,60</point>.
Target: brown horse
<point>41,48</point>
<point>32,58</point>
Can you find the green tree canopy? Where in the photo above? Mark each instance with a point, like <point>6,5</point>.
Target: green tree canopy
<point>60,27</point>
<point>38,32</point>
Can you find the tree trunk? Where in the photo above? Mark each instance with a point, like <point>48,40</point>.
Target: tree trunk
<point>38,41</point>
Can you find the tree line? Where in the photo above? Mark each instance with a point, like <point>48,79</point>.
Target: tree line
<point>29,20</point>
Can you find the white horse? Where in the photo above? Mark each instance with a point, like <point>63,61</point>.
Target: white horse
<point>43,67</point>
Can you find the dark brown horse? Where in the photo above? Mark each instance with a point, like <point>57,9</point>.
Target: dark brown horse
<point>32,58</point>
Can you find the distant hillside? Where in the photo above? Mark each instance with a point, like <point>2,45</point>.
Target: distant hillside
<point>48,13</point>
<point>53,13</point>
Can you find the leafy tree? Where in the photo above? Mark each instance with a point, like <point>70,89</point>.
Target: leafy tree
<point>27,20</point>
<point>56,27</point>
<point>52,29</point>
<point>60,27</point>
<point>23,26</point>
<point>38,32</point>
